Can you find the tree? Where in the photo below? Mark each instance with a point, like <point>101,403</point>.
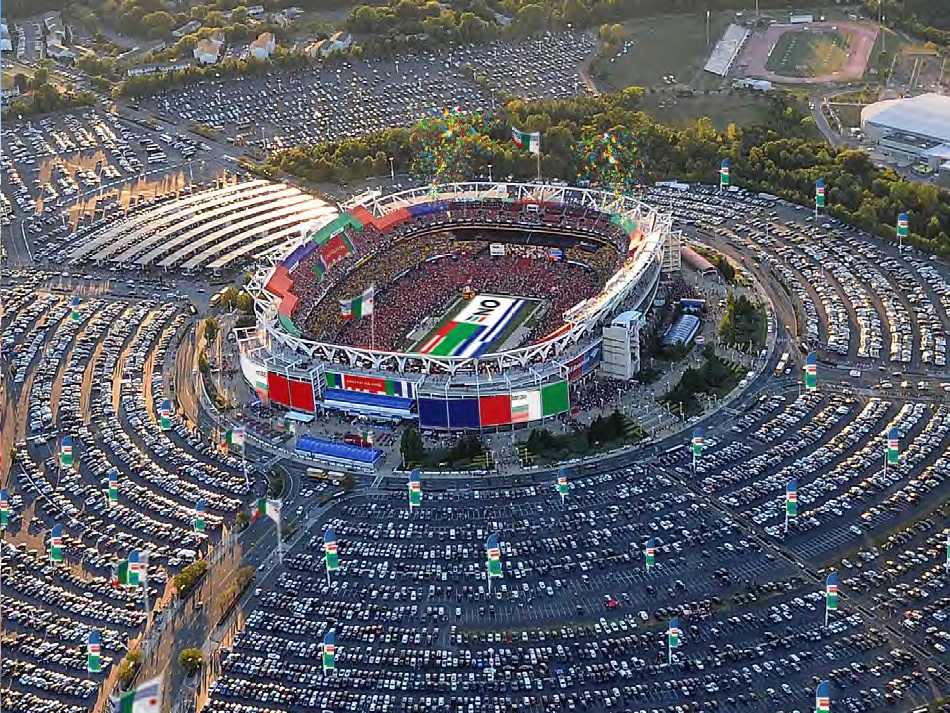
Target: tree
<point>411,446</point>
<point>40,78</point>
<point>21,82</point>
<point>191,660</point>
<point>129,666</point>
<point>241,521</point>
<point>211,329</point>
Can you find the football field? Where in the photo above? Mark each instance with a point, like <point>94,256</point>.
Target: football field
<point>476,326</point>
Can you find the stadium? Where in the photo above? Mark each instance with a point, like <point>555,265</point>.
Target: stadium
<point>459,306</point>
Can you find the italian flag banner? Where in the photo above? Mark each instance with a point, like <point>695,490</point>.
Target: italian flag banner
<point>526,140</point>
<point>261,508</point>
<point>359,306</point>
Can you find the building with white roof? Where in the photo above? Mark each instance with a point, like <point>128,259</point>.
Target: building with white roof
<point>917,128</point>
<point>206,51</point>
<point>263,46</point>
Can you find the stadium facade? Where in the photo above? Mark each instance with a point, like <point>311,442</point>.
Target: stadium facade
<point>487,389</point>
<point>915,129</point>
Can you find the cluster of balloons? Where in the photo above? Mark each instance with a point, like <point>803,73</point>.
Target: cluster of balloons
<point>449,145</point>
<point>612,161</point>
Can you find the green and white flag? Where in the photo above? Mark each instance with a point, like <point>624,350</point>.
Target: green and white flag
<point>527,140</point>
<point>359,306</point>
<point>145,698</point>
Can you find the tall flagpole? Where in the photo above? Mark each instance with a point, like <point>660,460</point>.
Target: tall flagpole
<point>280,539</point>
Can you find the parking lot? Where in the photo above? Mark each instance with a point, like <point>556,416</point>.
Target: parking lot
<point>355,98</point>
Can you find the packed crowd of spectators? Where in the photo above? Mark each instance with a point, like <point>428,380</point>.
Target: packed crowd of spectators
<point>431,287</point>
<point>381,258</point>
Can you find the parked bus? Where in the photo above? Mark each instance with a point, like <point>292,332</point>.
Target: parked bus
<point>782,363</point>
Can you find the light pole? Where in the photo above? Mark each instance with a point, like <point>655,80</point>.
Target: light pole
<point>392,169</point>
<point>489,174</point>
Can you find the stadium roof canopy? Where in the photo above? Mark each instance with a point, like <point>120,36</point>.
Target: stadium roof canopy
<point>925,115</point>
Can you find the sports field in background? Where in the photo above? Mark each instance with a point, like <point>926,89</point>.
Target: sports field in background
<point>474,327</point>
<point>809,53</point>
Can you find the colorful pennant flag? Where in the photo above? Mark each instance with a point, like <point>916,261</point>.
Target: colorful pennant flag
<point>673,636</point>
<point>56,544</point>
<point>893,446</point>
<point>697,442</point>
<point>831,592</point>
<point>811,371</point>
<point>494,556</point>
<point>235,437</point>
<point>329,651</point>
<point>113,486</point>
<point>66,452</point>
<point>820,193</point>
<point>75,309</point>
<point>651,553</point>
<point>330,550</point>
<point>133,573</point>
<point>562,487</point>
<point>724,173</point>
<point>791,498</point>
<point>823,697</point>
<point>4,508</point>
<point>261,508</point>
<point>165,415</point>
<point>94,652</point>
<point>200,516</point>
<point>415,489</point>
<point>903,225</point>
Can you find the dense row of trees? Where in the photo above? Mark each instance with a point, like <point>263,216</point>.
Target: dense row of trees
<point>744,323</point>
<point>926,19</point>
<point>778,157</point>
<point>714,377</point>
<point>38,95</point>
<point>603,433</point>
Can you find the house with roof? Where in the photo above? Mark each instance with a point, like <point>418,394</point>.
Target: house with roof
<point>263,46</point>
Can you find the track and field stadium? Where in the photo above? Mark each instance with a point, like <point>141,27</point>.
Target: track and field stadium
<point>460,306</point>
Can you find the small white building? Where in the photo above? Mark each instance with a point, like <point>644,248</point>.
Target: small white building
<point>207,50</point>
<point>339,41</point>
<point>263,46</point>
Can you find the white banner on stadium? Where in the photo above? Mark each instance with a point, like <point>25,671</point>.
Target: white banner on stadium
<point>525,406</point>
<point>496,249</point>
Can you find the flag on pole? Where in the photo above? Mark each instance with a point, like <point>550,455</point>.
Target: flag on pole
<point>56,544</point>
<point>823,697</point>
<point>526,140</point>
<point>366,437</point>
<point>820,193</point>
<point>272,510</point>
<point>562,488</point>
<point>260,509</point>
<point>831,592</point>
<point>132,571</point>
<point>651,553</point>
<point>724,173</point>
<point>144,698</point>
<point>113,486</point>
<point>330,550</point>
<point>4,508</point>
<point>673,635</point>
<point>75,309</point>
<point>791,498</point>
<point>415,488</point>
<point>233,437</point>
<point>811,371</point>
<point>165,416</point>
<point>284,425</point>
<point>359,306</point>
<point>697,442</point>
<point>494,556</point>
<point>893,446</point>
<point>120,573</point>
<point>200,516</point>
<point>94,652</point>
<point>903,225</point>
<point>329,651</point>
<point>66,452</point>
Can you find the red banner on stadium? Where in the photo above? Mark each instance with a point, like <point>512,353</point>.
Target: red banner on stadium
<point>494,410</point>
<point>278,389</point>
